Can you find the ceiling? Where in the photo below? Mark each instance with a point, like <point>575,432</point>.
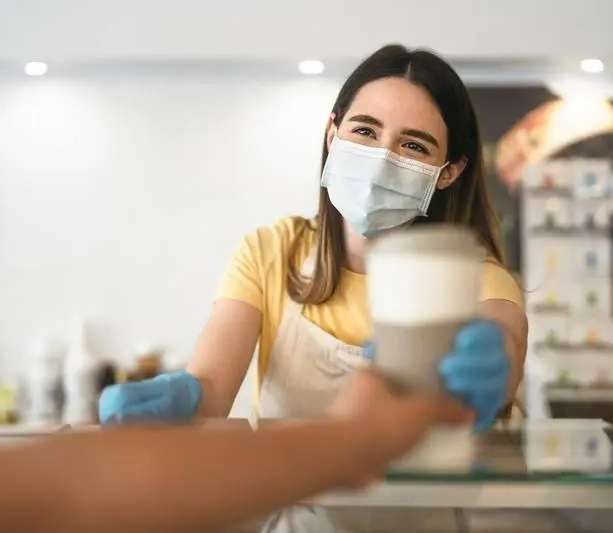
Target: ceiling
<point>501,42</point>
<point>68,30</point>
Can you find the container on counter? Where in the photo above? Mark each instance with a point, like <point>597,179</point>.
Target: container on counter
<point>567,445</point>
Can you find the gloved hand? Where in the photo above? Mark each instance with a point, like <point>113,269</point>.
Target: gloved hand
<point>368,350</point>
<point>169,397</point>
<point>477,370</point>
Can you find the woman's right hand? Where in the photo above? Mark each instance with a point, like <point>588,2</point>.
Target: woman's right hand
<point>169,397</point>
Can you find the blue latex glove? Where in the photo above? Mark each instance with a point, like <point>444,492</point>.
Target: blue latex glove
<point>369,350</point>
<point>477,370</point>
<point>170,397</point>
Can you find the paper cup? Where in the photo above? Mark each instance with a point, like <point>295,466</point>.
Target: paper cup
<point>423,286</point>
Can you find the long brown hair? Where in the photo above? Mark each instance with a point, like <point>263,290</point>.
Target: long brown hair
<point>464,202</point>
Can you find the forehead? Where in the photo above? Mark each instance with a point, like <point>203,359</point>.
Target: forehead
<point>399,104</point>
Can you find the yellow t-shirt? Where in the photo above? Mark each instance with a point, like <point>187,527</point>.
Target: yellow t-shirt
<point>258,272</point>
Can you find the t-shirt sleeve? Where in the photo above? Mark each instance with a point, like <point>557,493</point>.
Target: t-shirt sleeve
<point>243,278</point>
<point>498,283</point>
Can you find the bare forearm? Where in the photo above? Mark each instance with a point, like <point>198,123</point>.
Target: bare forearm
<point>184,480</point>
<point>222,355</point>
<point>516,351</point>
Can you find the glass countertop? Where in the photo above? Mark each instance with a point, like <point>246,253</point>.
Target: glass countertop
<point>499,457</point>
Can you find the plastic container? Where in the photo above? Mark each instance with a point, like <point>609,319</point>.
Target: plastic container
<point>567,445</point>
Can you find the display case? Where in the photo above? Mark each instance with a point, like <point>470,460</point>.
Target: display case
<point>567,207</point>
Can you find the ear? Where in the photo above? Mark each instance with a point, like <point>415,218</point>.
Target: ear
<point>451,173</point>
<point>331,130</point>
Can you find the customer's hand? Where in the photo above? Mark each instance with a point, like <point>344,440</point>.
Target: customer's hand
<point>392,424</point>
<point>168,397</point>
<point>477,371</point>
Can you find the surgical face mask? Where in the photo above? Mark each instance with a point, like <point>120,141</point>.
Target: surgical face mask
<point>375,189</point>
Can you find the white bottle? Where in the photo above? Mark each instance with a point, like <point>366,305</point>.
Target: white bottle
<point>80,369</point>
<point>45,383</point>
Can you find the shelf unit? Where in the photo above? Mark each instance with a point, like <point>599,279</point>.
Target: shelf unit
<point>567,209</point>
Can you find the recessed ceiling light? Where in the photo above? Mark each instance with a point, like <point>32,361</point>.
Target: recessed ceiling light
<point>311,66</point>
<point>592,66</point>
<point>36,68</point>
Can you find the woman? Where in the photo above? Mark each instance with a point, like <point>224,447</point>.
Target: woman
<point>401,147</point>
<point>299,287</point>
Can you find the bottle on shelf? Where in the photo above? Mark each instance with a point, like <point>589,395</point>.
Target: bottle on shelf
<point>147,362</point>
<point>591,299</point>
<point>80,378</point>
<point>45,383</point>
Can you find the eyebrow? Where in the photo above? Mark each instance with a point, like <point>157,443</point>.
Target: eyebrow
<point>367,119</point>
<point>420,134</point>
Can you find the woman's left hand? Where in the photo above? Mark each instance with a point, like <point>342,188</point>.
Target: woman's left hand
<point>477,370</point>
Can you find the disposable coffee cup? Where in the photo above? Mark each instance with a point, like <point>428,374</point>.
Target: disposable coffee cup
<point>423,287</point>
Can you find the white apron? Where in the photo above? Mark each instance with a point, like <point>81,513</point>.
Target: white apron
<point>307,365</point>
<point>306,369</point>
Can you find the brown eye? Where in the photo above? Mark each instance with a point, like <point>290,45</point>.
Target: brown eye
<point>365,132</point>
<point>415,147</point>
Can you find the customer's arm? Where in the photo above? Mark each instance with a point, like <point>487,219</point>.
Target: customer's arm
<point>191,480</point>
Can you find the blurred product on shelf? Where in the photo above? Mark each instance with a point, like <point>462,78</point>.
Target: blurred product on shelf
<point>571,445</point>
<point>46,394</point>
<point>80,379</point>
<point>591,259</point>
<point>9,413</point>
<point>591,299</point>
<point>603,381</point>
<point>548,180</point>
<point>564,380</point>
<point>550,221</point>
<point>148,362</point>
<point>106,376</point>
<point>65,379</point>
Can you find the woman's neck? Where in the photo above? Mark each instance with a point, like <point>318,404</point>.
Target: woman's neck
<point>355,247</point>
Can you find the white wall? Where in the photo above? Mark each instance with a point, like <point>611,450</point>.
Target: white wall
<point>121,199</point>
<point>74,29</point>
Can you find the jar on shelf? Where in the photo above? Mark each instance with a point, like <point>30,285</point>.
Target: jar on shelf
<point>591,259</point>
<point>591,336</point>
<point>591,300</point>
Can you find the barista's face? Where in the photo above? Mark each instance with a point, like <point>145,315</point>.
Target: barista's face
<point>396,114</point>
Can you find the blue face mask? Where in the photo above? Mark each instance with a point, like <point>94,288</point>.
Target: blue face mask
<point>375,189</point>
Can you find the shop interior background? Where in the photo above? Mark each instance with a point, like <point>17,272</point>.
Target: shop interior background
<point>130,170</point>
